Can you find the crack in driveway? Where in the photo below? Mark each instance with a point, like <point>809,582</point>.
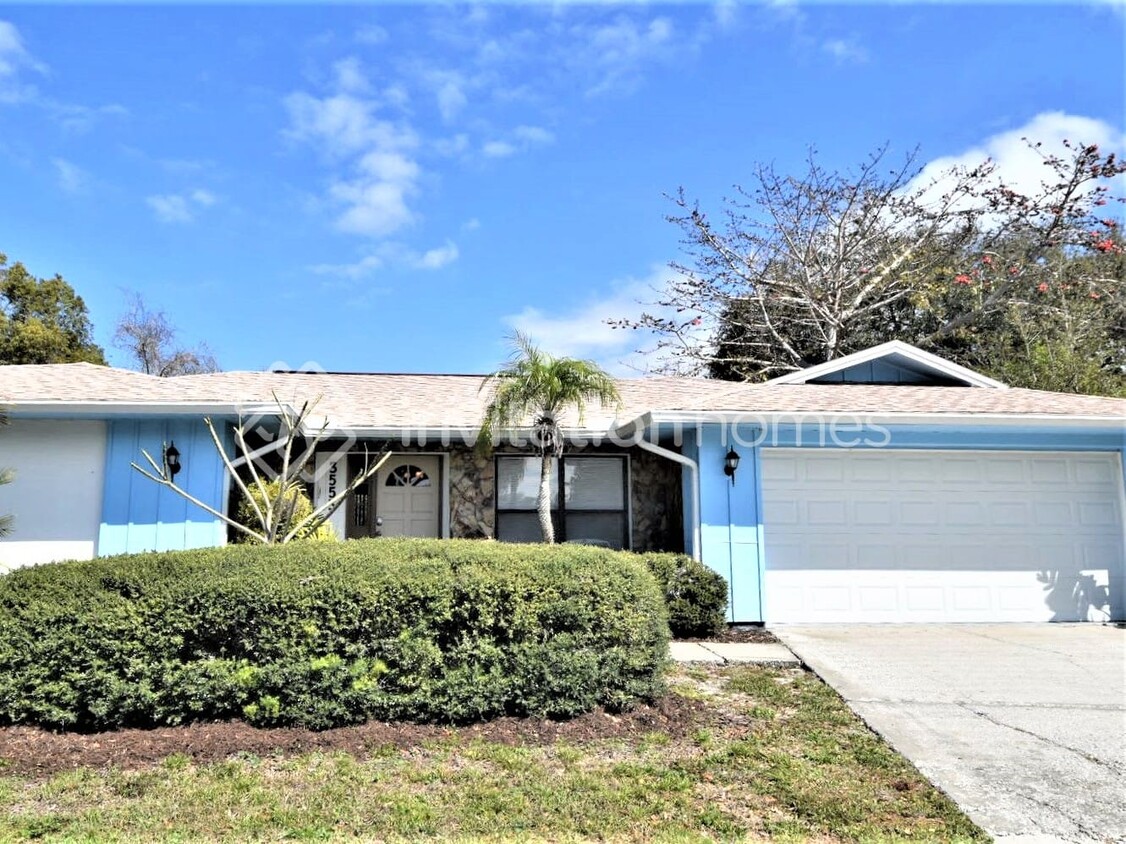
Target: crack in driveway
<point>992,719</point>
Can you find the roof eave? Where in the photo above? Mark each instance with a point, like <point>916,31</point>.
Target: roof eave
<point>1032,420</point>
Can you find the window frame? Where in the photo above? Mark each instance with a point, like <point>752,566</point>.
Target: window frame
<point>559,513</point>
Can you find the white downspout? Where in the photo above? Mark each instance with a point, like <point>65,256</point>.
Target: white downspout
<point>688,462</point>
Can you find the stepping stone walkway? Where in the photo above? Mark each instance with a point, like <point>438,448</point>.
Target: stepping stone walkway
<point>722,653</point>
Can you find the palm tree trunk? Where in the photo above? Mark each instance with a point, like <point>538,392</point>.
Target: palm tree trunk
<point>543,503</point>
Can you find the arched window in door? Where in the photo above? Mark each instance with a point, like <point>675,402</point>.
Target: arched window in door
<point>407,475</point>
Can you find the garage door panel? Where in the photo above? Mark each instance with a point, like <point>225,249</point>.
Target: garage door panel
<point>982,541</point>
<point>1095,472</point>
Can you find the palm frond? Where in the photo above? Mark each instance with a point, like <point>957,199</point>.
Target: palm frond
<point>536,388</point>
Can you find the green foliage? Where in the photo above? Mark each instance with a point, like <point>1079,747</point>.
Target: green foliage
<point>537,388</point>
<point>294,501</point>
<point>321,635</point>
<point>42,320</point>
<point>695,595</point>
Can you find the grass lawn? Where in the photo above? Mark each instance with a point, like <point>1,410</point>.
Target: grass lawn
<point>772,755</point>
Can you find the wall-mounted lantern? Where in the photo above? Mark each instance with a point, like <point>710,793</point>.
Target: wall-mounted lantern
<point>730,464</point>
<point>172,460</point>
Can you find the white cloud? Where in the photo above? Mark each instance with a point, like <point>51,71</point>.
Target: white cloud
<point>449,147</point>
<point>390,254</point>
<point>71,177</point>
<point>725,13</point>
<point>449,92</point>
<point>435,259</point>
<point>203,197</point>
<point>523,138</point>
<point>845,50</point>
<point>382,176</point>
<point>615,52</point>
<point>170,208</point>
<point>498,149</point>
<point>583,332</point>
<point>533,134</point>
<point>471,225</point>
<point>350,76</point>
<point>366,265</point>
<point>371,35</point>
<point>180,208</point>
<point>14,58</point>
<point>1016,163</point>
<point>13,53</point>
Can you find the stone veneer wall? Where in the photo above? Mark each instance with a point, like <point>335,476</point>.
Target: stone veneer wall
<point>655,494</point>
<point>472,494</point>
<point>655,498</point>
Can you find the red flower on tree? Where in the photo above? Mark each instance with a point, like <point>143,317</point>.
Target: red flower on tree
<point>962,278</point>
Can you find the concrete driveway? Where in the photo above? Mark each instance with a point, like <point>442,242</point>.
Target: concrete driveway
<point>1023,725</point>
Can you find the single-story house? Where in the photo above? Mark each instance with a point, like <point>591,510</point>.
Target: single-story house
<point>889,485</point>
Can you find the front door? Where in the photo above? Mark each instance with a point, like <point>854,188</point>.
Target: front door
<point>408,496</point>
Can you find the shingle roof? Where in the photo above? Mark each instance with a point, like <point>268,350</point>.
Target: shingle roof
<point>434,401</point>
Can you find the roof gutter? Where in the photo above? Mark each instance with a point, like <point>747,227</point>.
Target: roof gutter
<point>1038,420</point>
<point>694,469</point>
<point>115,408</point>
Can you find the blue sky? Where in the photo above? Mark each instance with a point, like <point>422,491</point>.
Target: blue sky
<point>395,188</point>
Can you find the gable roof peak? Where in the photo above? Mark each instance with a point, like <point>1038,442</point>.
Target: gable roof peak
<point>900,354</point>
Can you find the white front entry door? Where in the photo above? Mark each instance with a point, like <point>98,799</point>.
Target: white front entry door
<point>928,536</point>
<point>408,495</point>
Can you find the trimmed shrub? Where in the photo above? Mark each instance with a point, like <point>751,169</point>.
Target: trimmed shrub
<point>320,635</point>
<point>295,497</point>
<point>696,596</point>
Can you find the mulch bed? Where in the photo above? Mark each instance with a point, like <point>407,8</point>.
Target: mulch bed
<point>30,751</point>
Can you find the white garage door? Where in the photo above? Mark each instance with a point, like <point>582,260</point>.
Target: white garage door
<point>867,536</point>
<point>55,499</point>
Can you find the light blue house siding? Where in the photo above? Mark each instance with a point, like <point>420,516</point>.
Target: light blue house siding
<point>731,529</point>
<point>139,514</point>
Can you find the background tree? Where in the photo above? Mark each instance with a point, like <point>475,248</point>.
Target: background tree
<point>807,268</point>
<point>150,341</point>
<point>42,320</point>
<point>537,387</point>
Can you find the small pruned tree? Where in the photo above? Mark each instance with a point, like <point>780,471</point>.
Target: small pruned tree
<point>537,387</point>
<point>274,510</point>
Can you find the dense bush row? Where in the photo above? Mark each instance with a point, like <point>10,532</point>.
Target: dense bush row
<point>326,634</point>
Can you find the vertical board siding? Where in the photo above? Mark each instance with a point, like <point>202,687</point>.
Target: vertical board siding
<point>729,518</point>
<point>140,515</point>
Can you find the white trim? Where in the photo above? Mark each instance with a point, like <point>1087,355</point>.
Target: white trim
<point>892,347</point>
<point>444,497</point>
<point>1035,420</point>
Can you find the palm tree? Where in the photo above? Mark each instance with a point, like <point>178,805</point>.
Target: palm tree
<point>537,385</point>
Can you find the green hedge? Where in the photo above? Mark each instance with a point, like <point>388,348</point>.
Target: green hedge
<point>321,635</point>
<point>695,595</point>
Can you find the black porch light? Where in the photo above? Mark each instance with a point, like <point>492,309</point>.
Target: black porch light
<point>730,464</point>
<point>172,459</point>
